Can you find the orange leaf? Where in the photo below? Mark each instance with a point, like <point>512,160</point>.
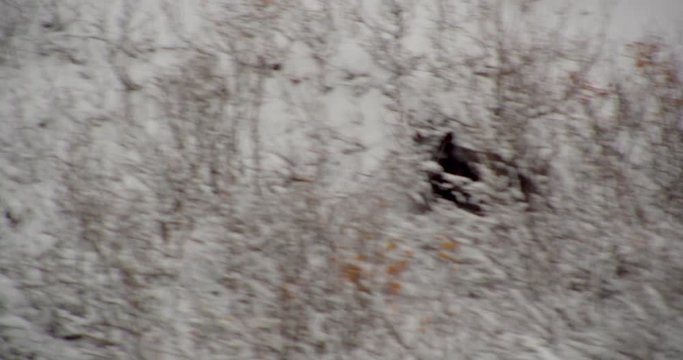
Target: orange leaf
<point>397,267</point>
<point>394,288</point>
<point>449,245</point>
<point>353,273</point>
<point>445,256</point>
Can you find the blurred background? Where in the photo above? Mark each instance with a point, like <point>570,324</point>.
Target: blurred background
<point>304,179</point>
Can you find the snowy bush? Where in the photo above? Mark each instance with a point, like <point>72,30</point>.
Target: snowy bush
<point>250,179</point>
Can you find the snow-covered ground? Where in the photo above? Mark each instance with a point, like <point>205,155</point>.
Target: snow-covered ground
<point>249,179</point>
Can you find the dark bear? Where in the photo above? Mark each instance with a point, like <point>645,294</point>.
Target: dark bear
<point>458,161</point>
<point>455,159</point>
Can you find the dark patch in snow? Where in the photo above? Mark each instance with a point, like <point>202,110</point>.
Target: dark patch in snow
<point>460,166</point>
<point>458,161</point>
<point>72,337</point>
<point>12,219</point>
<point>455,159</point>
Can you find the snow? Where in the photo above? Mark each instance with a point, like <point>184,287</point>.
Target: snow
<point>238,180</point>
<point>431,167</point>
